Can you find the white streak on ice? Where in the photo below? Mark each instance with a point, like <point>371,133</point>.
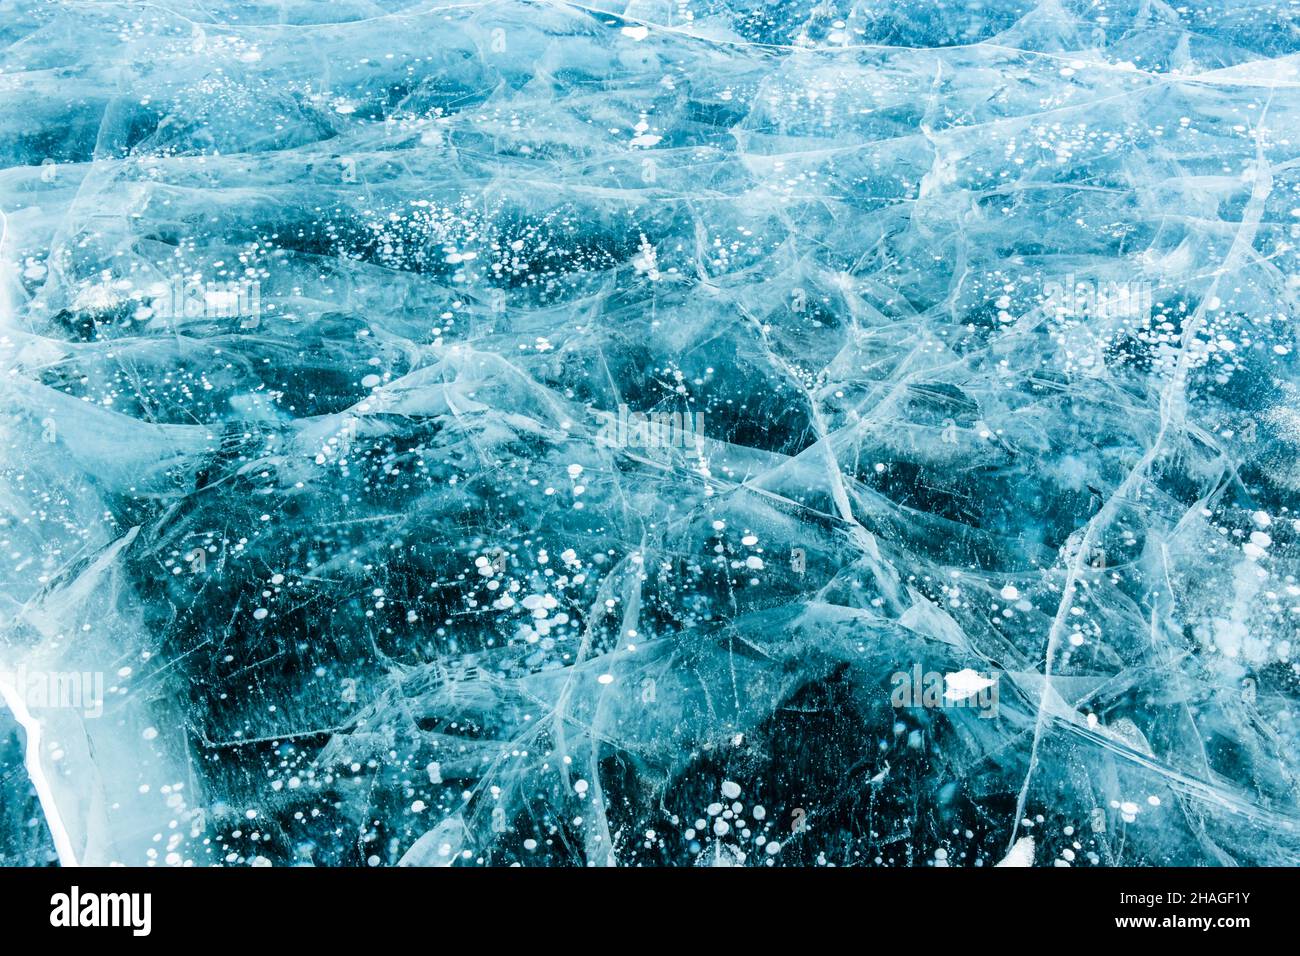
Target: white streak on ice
<point>32,758</point>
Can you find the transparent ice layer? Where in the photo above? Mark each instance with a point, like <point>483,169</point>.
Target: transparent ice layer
<point>680,433</point>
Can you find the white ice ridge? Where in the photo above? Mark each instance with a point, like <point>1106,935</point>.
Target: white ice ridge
<point>36,773</point>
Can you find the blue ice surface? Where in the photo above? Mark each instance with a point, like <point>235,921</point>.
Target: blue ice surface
<point>522,432</point>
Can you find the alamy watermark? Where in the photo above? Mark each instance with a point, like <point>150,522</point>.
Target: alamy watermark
<point>191,299</point>
<point>1075,298</point>
<point>653,430</point>
<point>75,908</point>
<point>44,690</point>
<point>935,689</point>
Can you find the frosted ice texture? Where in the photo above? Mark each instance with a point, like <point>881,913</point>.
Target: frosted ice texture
<point>341,348</point>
